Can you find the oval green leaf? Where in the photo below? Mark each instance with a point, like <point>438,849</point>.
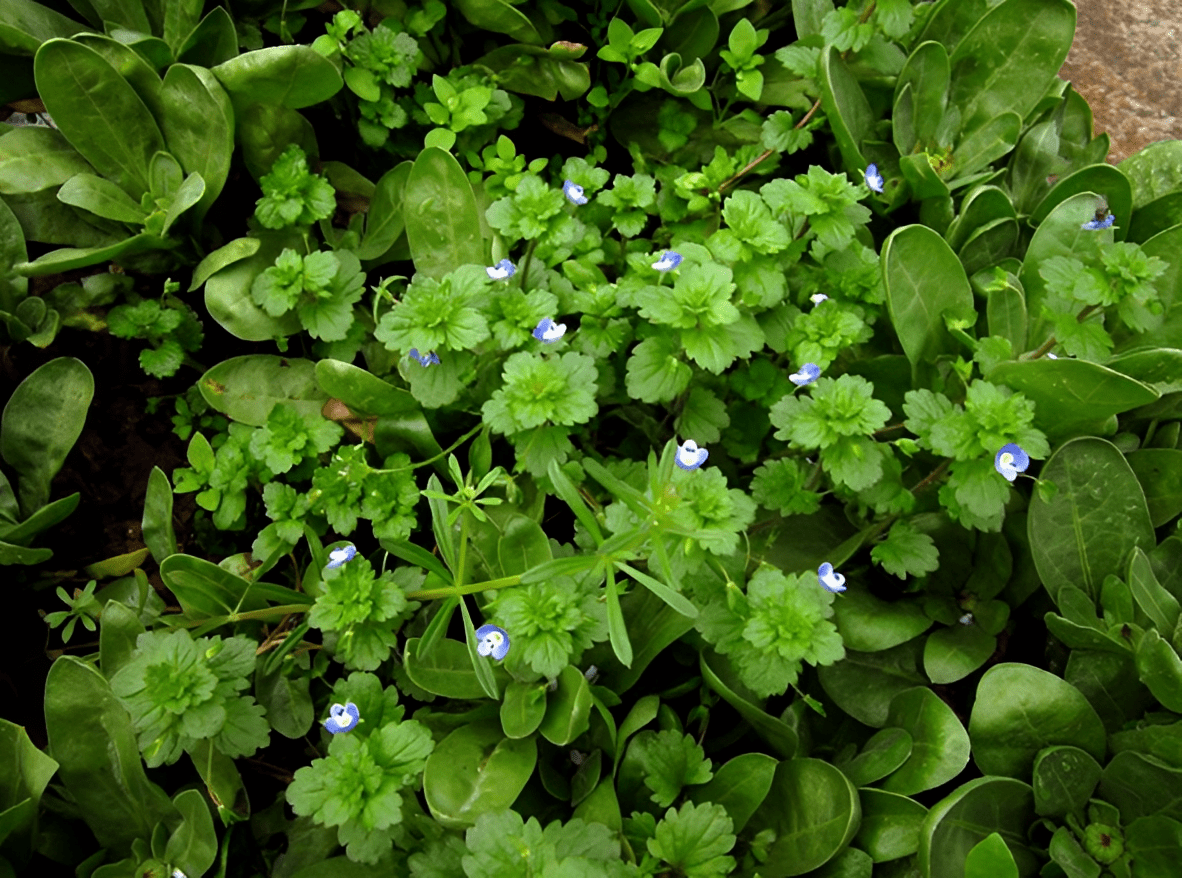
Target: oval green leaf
<point>975,810</point>
<point>868,624</point>
<point>1064,779</point>
<point>568,709</point>
<point>890,825</point>
<point>441,222</point>
<point>523,708</point>
<point>474,771</point>
<point>290,76</point>
<point>951,654</point>
<point>247,388</point>
<point>940,744</point>
<point>885,752</point>
<point>863,683</point>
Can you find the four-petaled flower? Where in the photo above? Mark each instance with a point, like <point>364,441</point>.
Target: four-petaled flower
<point>549,331</point>
<point>493,641</point>
<point>690,456</point>
<point>424,359</point>
<point>1105,223</point>
<point>501,270</point>
<point>1011,460</point>
<point>808,373</point>
<point>966,619</point>
<point>342,718</point>
<point>574,192</point>
<point>668,261</point>
<point>873,178</point>
<point>830,580</point>
<point>818,298</point>
<point>341,556</point>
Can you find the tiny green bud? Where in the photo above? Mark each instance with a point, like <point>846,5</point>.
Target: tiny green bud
<point>1104,843</point>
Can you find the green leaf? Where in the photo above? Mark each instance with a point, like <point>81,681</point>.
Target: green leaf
<point>447,670</point>
<point>1021,709</point>
<point>885,752</point>
<point>1159,470</point>
<point>474,771</point>
<point>205,589</point>
<point>1157,603</point>
<point>91,737</point>
<point>42,420</point>
<point>1098,517</point>
<point>36,158</point>
<point>291,76</point>
<point>890,825</point>
<point>864,683</point>
<point>940,744</point>
<point>778,735</point>
<point>96,109</point>
<point>975,810</point>
<point>568,709</point>
<point>924,283</point>
<point>26,773</point>
<point>846,108</point>
<point>193,846</point>
<point>287,701</point>
<point>673,598</point>
<point>814,811</point>
<point>695,839</point>
<point>926,71</point>
<point>906,552</point>
<point>523,708</point>
<point>1160,669</point>
<point>198,125</point>
<point>484,674</point>
<point>1064,779</point>
<point>951,654</point>
<point>386,218</point>
<point>441,220</point>
<point>740,786</point>
<point>1009,58</point>
<point>499,16</point>
<point>656,372</point>
<point>157,522</point>
<point>990,858</point>
<point>247,388</point>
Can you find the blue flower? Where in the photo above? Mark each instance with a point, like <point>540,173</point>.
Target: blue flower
<point>873,178</point>
<point>818,298</point>
<point>501,270</point>
<point>340,557</point>
<point>592,674</point>
<point>669,261</point>
<point>342,718</point>
<point>690,456</point>
<point>1011,460</point>
<point>808,373</point>
<point>1052,356</point>
<point>1105,223</point>
<point>493,641</point>
<point>829,579</point>
<point>424,359</point>
<point>574,192</point>
<point>966,619</point>
<point>549,331</point>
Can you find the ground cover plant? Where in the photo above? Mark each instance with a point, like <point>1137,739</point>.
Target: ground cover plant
<point>788,398</point>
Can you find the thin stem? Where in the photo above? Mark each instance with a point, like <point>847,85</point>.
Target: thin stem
<point>932,476</point>
<point>529,252</point>
<point>815,475</point>
<point>888,429</point>
<point>445,451</point>
<point>1050,342</point>
<point>457,590</point>
<point>464,516</point>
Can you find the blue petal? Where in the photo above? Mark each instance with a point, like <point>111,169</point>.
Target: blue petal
<point>574,192</point>
<point>808,373</point>
<point>340,557</point>
<point>690,459</point>
<point>342,718</point>
<point>492,640</point>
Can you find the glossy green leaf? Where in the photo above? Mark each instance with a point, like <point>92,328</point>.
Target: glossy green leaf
<point>523,708</point>
<point>972,812</point>
<point>474,771</point>
<point>1159,470</point>
<point>24,774</point>
<point>1118,192</point>
<point>205,589</point>
<point>1141,786</point>
<point>1154,171</point>
<point>441,222</point>
<point>98,112</point>
<point>1019,710</point>
<point>868,624</point>
<point>740,785</point>
<point>1153,843</point>
<point>438,625</point>
<point>212,42</point>
<point>924,282</point>
<point>671,597</point>
<point>568,708</point>
<point>1158,367</point>
<point>25,25</point>
<point>499,16</point>
<point>42,420</point>
<point>601,806</point>
<point>1160,669</point>
<point>1064,779</point>
<point>117,635</point>
<point>846,108</point>
<point>1156,602</point>
<point>922,178</point>
<point>1097,517</point>
<point>227,293</point>
<point>198,126</point>
<point>990,858</point>
<point>36,158</point>
<point>547,74</point>
<point>988,143</point>
<point>290,76</point>
<point>193,846</point>
<point>885,751</point>
<point>1008,59</point>
<point>863,683</point>
<point>41,520</point>
<point>1006,314</point>
<point>951,654</point>
<point>522,546</point>
<point>386,218</point>
<point>447,670</point>
<point>940,744</point>
<point>890,825</point>
<point>926,71</point>
<point>91,737</point>
<point>814,811</point>
<point>13,287</point>
<point>778,735</point>
<point>287,700</point>
<point>982,205</point>
<point>643,712</point>
<point>266,130</point>
<point>235,251</point>
<point>1069,393</point>
<point>102,198</point>
<point>617,628</point>
<point>445,534</point>
<point>70,258</point>
<point>247,388</point>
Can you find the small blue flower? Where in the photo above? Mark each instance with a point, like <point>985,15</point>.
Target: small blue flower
<point>690,456</point>
<point>340,557</point>
<point>1052,356</point>
<point>501,270</point>
<point>549,331</point>
<point>592,674</point>
<point>966,619</point>
<point>342,718</point>
<point>808,373</point>
<point>669,261</point>
<point>1011,460</point>
<point>424,359</point>
<point>493,641</point>
<point>873,178</point>
<point>829,579</point>
<point>818,298</point>
<point>1105,223</point>
<point>574,192</point>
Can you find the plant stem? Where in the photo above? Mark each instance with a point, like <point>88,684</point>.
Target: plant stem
<point>456,590</point>
<point>932,476</point>
<point>1050,342</point>
<point>445,451</point>
<point>529,252</point>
